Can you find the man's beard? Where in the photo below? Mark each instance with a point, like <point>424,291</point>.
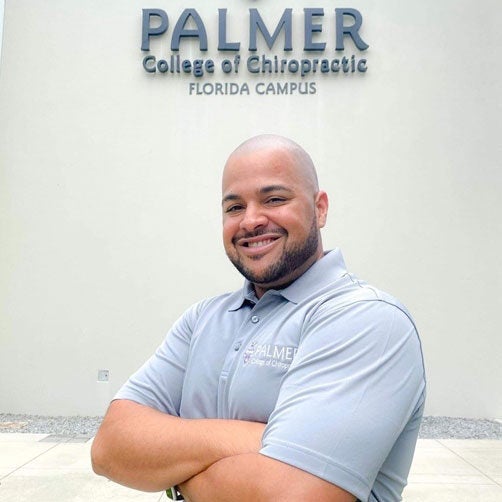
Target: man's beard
<point>288,262</point>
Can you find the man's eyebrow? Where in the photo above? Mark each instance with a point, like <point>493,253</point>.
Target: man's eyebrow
<point>275,188</point>
<point>263,191</point>
<point>229,197</point>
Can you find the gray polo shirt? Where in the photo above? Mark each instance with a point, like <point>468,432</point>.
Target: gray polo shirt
<point>331,364</point>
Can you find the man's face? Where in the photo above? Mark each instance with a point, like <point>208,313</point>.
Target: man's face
<point>271,218</point>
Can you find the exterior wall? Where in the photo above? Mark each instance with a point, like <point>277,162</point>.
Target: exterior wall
<point>1,23</point>
<point>109,192</point>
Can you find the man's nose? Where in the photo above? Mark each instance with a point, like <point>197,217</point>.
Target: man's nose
<point>253,218</point>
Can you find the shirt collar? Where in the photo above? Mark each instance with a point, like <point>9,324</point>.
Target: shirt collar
<point>329,268</point>
<point>243,296</point>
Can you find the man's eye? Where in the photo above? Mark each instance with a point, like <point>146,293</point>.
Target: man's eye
<point>275,200</point>
<point>234,208</point>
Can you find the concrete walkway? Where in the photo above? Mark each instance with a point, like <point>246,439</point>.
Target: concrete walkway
<point>43,468</point>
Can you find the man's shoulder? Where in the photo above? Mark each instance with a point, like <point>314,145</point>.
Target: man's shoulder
<point>353,294</point>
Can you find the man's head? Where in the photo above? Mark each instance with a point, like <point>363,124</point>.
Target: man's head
<point>272,211</point>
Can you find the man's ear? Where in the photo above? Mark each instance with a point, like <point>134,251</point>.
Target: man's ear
<point>321,204</point>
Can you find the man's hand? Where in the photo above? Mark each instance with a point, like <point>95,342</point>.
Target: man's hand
<point>252,476</point>
<point>145,449</point>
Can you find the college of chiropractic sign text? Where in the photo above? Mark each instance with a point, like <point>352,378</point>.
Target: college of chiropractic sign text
<point>190,25</point>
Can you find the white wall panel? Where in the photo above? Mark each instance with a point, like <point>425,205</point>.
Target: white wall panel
<point>109,185</point>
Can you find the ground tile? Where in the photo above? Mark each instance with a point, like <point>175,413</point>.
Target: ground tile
<point>451,479</point>
<point>64,456</point>
<point>19,437</point>
<point>484,455</point>
<point>471,444</point>
<point>432,492</point>
<point>441,461</point>
<point>428,443</point>
<point>68,487</point>
<point>16,454</point>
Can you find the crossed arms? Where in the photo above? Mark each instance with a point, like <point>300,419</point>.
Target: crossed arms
<point>213,460</point>
<point>337,424</point>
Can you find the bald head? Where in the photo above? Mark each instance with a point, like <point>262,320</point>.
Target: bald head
<point>298,158</point>
<point>272,211</point>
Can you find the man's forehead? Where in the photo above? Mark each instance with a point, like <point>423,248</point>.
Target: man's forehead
<point>272,162</point>
<point>275,163</point>
<point>259,180</point>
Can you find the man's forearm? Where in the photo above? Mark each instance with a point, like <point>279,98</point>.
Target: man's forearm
<point>250,477</point>
<point>149,450</point>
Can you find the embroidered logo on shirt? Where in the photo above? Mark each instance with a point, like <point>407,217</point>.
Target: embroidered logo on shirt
<point>268,354</point>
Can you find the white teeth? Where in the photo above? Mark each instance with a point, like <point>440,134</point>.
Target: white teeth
<point>259,243</point>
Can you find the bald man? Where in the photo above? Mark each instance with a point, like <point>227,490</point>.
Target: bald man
<point>306,384</point>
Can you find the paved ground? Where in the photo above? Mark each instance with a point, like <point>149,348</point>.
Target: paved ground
<point>51,468</point>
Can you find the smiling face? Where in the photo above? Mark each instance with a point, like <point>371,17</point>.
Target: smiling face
<point>272,212</point>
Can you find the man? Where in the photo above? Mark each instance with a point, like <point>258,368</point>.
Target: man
<point>307,384</point>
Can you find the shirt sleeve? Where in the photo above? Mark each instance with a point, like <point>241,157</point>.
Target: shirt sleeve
<point>159,382</point>
<point>356,382</point>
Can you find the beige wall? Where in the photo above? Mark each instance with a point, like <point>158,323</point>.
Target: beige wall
<point>1,23</point>
<point>109,188</point>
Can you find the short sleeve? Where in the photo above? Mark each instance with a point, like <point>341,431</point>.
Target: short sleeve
<point>159,382</point>
<point>356,382</point>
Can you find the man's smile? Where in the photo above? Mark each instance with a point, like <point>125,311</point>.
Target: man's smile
<point>259,244</point>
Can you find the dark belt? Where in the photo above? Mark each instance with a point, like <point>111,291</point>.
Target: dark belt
<point>173,493</point>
